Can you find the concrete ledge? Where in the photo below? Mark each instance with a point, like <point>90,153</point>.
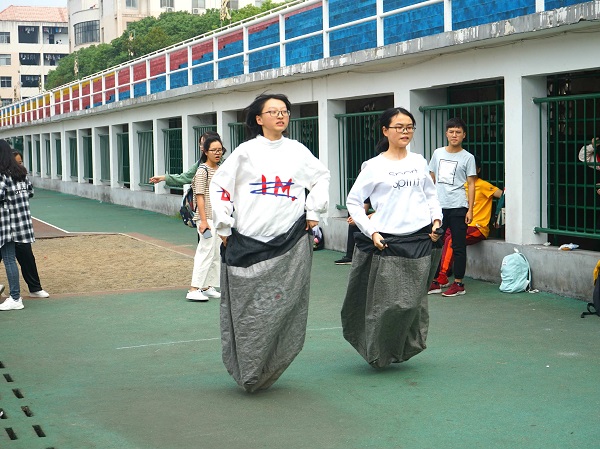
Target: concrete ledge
<point>567,273</point>
<point>164,204</point>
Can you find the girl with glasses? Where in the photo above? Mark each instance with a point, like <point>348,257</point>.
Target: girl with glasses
<point>384,315</point>
<point>264,217</point>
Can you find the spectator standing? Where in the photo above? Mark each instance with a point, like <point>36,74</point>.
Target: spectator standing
<point>205,276</point>
<point>477,230</point>
<point>451,167</point>
<point>15,220</point>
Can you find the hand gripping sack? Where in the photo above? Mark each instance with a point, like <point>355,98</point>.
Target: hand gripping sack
<point>515,273</point>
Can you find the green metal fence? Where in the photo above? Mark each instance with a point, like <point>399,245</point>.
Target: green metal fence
<point>173,152</point>
<point>198,131</point>
<point>123,176</point>
<point>567,124</point>
<point>30,156</point>
<point>73,157</point>
<point>146,146</point>
<point>48,160</point>
<point>104,157</point>
<point>38,158</point>
<point>302,129</point>
<point>88,167</point>
<point>58,157</point>
<point>485,134</point>
<point>358,135</point>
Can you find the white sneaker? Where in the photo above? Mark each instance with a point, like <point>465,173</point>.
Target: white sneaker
<point>196,295</point>
<point>39,294</point>
<point>12,304</point>
<point>211,293</point>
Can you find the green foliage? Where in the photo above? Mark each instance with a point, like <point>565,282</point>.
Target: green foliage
<point>145,36</point>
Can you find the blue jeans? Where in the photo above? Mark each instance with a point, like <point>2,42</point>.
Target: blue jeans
<point>12,272</point>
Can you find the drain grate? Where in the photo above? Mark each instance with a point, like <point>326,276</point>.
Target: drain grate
<point>17,415</point>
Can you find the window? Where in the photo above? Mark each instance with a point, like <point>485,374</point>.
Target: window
<point>29,34</point>
<point>233,4</point>
<point>131,3</point>
<point>29,58</point>
<point>5,81</point>
<point>6,101</point>
<point>4,59</point>
<point>30,80</point>
<point>53,58</point>
<point>167,3</point>
<point>198,4</point>
<point>4,37</point>
<point>86,32</point>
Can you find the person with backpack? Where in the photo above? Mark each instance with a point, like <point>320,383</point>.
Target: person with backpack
<point>16,225</point>
<point>206,273</point>
<point>185,177</point>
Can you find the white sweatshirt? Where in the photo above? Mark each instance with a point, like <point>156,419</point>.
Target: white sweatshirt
<point>260,188</point>
<point>401,192</point>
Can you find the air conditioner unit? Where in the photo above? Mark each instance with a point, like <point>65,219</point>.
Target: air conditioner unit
<point>169,9</point>
<point>196,11</point>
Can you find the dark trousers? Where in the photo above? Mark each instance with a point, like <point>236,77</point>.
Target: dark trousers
<point>454,219</point>
<point>26,260</point>
<point>350,242</point>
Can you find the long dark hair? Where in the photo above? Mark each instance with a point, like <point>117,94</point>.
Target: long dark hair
<point>255,108</point>
<point>205,147</point>
<point>384,122</point>
<point>8,164</point>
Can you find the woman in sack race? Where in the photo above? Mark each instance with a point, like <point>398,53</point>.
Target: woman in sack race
<point>264,217</point>
<point>206,273</point>
<point>384,315</point>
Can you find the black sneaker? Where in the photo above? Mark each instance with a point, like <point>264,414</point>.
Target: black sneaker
<point>344,261</point>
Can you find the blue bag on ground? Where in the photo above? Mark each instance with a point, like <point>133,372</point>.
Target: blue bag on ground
<point>515,273</point>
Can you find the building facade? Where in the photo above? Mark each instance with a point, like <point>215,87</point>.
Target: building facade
<point>101,21</point>
<point>508,68</point>
<point>32,41</point>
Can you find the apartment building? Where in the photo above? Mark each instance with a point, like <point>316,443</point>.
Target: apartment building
<point>32,41</point>
<point>101,21</point>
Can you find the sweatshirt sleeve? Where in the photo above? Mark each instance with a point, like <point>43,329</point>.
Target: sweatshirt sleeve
<point>222,192</point>
<point>360,191</point>
<point>181,179</point>
<point>317,201</point>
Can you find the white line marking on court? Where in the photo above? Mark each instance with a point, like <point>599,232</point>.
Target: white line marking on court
<point>169,343</point>
<point>206,339</point>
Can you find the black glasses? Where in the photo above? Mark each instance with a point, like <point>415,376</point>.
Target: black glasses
<point>215,151</point>
<point>403,129</point>
<point>284,113</point>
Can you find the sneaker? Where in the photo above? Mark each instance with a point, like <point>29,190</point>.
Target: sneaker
<point>210,292</point>
<point>455,290</point>
<point>442,279</point>
<point>39,294</point>
<point>344,261</point>
<point>196,295</point>
<point>12,304</point>
<point>434,288</point>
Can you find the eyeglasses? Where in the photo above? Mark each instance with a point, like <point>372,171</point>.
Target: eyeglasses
<point>403,129</point>
<point>216,151</point>
<point>273,113</point>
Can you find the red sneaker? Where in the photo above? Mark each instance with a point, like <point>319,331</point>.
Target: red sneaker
<point>455,290</point>
<point>434,288</point>
<point>442,279</point>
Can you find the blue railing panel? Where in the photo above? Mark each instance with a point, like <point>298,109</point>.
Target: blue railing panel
<point>304,50</point>
<point>354,38</point>
<point>414,24</point>
<point>264,59</point>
